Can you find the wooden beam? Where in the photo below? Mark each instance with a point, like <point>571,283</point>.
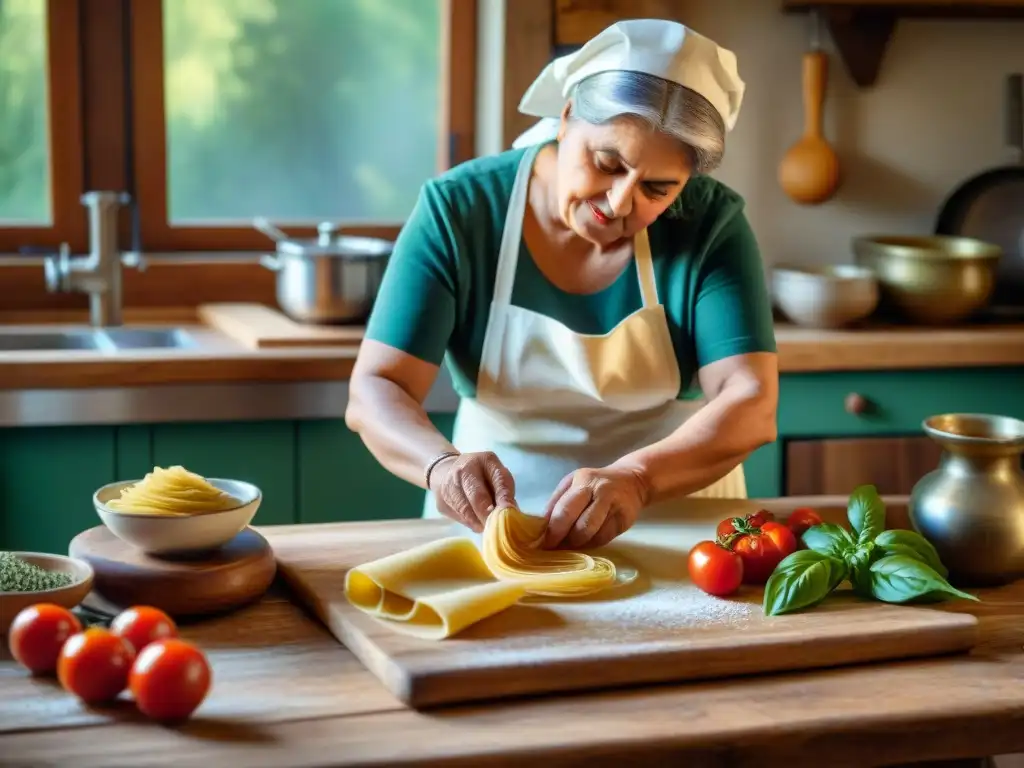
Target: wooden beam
<point>529,46</point>
<point>950,9</point>
<point>861,29</point>
<point>861,38</point>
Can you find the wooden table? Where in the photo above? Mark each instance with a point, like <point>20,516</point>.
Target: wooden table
<point>286,693</point>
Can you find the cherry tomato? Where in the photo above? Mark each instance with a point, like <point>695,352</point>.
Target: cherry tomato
<point>38,633</point>
<point>169,679</point>
<point>141,625</point>
<point>94,665</point>
<point>753,520</point>
<point>715,569</point>
<point>762,550</point>
<point>802,519</point>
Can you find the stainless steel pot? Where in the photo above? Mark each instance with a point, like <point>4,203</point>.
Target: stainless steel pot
<point>328,279</point>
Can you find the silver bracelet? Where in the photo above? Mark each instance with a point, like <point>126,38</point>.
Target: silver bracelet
<point>434,462</point>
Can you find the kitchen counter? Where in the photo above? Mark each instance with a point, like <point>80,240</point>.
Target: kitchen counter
<point>223,360</point>
<point>286,693</point>
<point>258,365</point>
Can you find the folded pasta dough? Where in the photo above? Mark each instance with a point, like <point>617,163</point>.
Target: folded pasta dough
<point>512,551</point>
<point>431,591</point>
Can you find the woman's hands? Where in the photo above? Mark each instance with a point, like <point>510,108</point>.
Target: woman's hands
<point>468,487</point>
<point>590,507</point>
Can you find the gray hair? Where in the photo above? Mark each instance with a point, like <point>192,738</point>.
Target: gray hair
<point>664,105</point>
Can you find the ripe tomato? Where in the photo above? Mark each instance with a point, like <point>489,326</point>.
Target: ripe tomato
<point>169,679</point>
<point>141,625</point>
<point>38,633</point>
<point>802,519</point>
<point>762,550</point>
<point>754,520</point>
<point>94,665</point>
<point>715,569</point>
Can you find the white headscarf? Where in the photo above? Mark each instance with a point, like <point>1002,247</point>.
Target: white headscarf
<point>658,47</point>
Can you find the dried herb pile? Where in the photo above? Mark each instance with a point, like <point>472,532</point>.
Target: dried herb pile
<point>16,575</point>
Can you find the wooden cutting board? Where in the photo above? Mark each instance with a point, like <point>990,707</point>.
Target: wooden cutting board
<point>232,576</point>
<point>662,629</point>
<point>262,327</point>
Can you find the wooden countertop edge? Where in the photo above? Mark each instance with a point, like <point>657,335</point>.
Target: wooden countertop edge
<point>472,738</point>
<point>134,371</point>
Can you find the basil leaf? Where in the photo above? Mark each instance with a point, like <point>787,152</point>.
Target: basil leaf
<point>798,559</point>
<point>901,579</point>
<point>911,544</point>
<point>801,580</point>
<point>859,562</point>
<point>866,513</point>
<point>829,539</point>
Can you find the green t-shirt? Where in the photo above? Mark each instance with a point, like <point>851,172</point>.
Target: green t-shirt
<point>436,293</point>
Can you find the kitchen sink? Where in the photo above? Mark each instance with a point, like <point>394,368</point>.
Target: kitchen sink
<point>150,338</point>
<point>49,341</point>
<point>109,340</point>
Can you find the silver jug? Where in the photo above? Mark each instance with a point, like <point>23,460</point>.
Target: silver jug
<point>971,507</point>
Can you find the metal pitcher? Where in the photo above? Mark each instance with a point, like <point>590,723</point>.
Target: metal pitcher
<point>971,507</point>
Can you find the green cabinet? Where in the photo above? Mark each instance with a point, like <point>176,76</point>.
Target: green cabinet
<point>339,479</point>
<point>763,472</point>
<point>318,471</point>
<point>262,452</point>
<point>813,404</point>
<point>47,478</point>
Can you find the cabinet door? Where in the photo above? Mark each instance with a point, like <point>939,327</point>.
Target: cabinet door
<point>891,403</point>
<point>340,480</point>
<point>262,453</point>
<point>134,451</point>
<point>763,472</point>
<point>836,467</point>
<point>47,478</point>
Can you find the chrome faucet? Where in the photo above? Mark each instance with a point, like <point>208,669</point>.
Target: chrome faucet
<point>99,273</point>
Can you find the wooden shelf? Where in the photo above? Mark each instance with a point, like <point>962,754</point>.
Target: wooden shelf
<point>861,29</point>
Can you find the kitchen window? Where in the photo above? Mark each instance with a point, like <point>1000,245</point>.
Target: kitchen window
<point>211,113</point>
<point>41,162</point>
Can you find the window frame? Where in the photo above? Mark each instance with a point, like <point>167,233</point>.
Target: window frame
<point>65,139</point>
<point>149,139</point>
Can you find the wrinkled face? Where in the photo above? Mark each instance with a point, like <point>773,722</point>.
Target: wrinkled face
<point>616,179</point>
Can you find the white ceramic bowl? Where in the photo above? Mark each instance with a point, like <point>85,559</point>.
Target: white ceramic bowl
<point>826,296</point>
<point>158,535</point>
<point>81,573</point>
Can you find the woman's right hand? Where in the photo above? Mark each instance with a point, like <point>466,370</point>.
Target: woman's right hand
<point>468,487</point>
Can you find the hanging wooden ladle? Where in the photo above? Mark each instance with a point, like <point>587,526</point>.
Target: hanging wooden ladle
<point>809,172</point>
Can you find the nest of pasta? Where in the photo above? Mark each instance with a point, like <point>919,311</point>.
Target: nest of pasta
<point>173,492</point>
<point>511,549</point>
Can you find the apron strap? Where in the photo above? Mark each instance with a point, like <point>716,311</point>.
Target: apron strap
<point>645,268</point>
<point>512,234</point>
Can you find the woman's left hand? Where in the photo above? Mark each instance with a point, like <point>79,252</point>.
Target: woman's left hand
<point>590,507</point>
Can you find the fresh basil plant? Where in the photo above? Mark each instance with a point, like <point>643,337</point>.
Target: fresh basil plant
<point>893,566</point>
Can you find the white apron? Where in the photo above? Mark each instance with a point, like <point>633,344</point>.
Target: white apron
<point>550,401</point>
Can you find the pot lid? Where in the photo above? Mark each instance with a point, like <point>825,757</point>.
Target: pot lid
<point>327,243</point>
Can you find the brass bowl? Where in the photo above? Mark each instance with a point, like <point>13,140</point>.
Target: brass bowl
<point>932,279</point>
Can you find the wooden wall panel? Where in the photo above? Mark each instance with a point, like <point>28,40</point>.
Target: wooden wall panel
<point>576,21</point>
<point>529,46</point>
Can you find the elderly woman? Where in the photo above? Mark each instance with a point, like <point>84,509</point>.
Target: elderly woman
<point>600,302</point>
